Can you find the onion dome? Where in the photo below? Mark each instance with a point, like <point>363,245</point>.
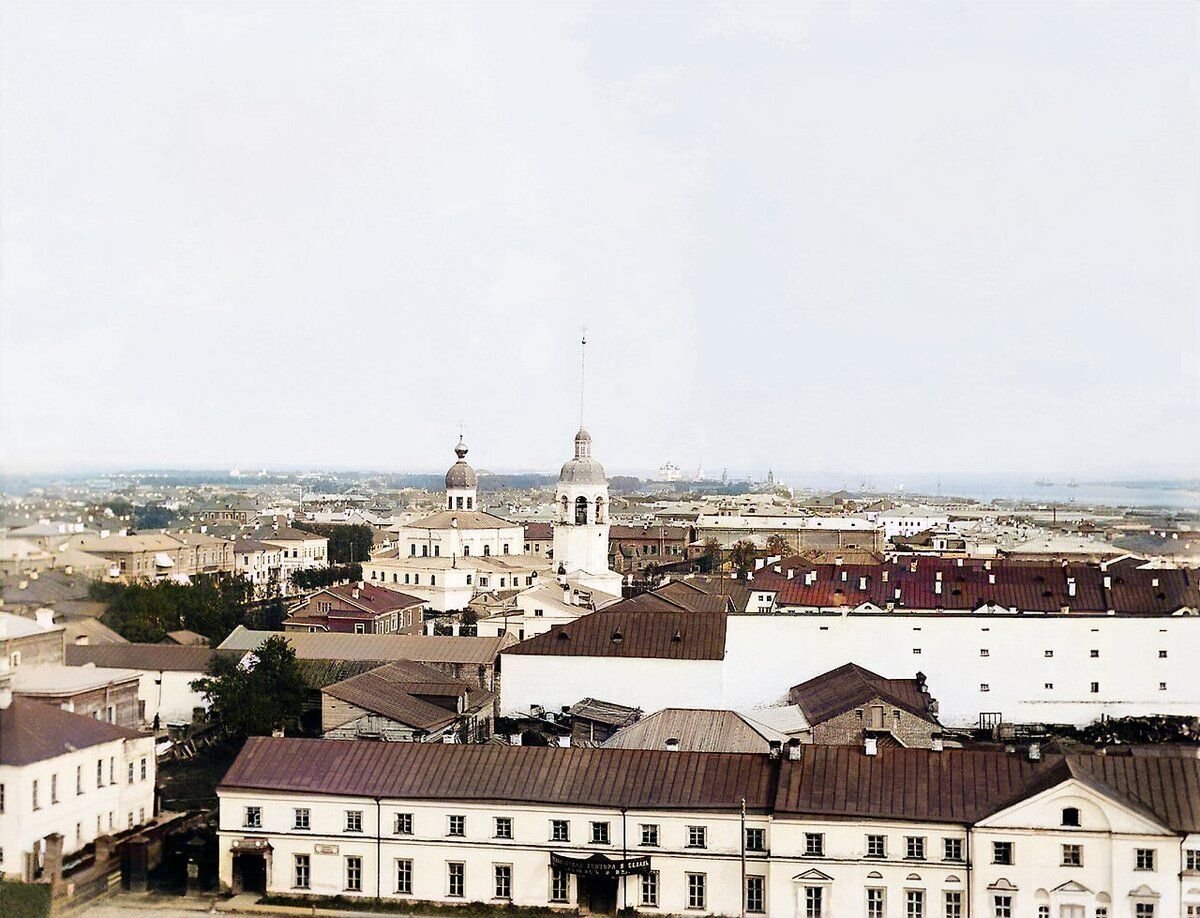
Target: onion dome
<point>461,475</point>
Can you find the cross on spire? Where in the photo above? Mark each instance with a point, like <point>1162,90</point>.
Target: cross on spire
<point>582,369</point>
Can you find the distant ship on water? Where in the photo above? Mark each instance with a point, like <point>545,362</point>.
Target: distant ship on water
<point>1043,483</point>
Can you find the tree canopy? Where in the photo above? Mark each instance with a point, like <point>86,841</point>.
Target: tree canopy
<point>145,612</point>
<point>259,695</point>
<point>348,543</point>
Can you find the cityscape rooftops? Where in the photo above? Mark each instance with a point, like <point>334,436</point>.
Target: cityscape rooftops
<point>31,731</point>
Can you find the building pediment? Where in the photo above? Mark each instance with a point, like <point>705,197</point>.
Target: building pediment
<point>1072,887</point>
<point>812,876</point>
<point>1143,892</point>
<point>1003,885</point>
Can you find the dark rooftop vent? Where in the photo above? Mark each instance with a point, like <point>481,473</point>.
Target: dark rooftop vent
<point>563,636</point>
<point>677,636</point>
<point>1046,594</point>
<point>617,636</point>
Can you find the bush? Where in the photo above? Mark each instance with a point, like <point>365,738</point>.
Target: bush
<point>27,900</point>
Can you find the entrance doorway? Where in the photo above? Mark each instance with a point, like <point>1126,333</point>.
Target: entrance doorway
<point>250,873</point>
<point>598,895</point>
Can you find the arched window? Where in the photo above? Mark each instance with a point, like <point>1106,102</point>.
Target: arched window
<point>566,509</point>
<point>466,551</point>
<point>433,579</point>
<point>469,502</point>
<point>487,550</point>
<point>506,548</point>
<point>580,511</point>
<point>599,509</point>
<point>1070,816</point>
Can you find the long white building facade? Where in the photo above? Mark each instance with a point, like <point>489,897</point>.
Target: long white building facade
<point>811,832</point>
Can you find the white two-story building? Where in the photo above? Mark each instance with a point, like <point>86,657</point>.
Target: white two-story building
<point>808,831</point>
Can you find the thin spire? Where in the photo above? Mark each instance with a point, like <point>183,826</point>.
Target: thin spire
<point>582,370</point>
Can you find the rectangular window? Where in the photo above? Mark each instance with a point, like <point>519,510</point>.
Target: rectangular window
<point>952,849</point>
<point>78,779</point>
<point>504,827</point>
<point>354,821</point>
<point>1002,906</point>
<point>1143,859</point>
<point>1072,855</point>
<point>697,837</point>
<point>650,888</point>
<point>650,835</point>
<point>914,903</point>
<point>54,788</point>
<point>403,824</point>
<point>756,839</point>
<point>954,904</point>
<point>129,768</point>
<point>1143,910</point>
<point>814,902</point>
<point>301,818</point>
<point>756,894</point>
<point>1095,687</point>
<point>1002,852</point>
<point>99,772</point>
<point>1191,858</point>
<point>814,844</point>
<point>914,847</point>
<point>876,846</point>
<point>404,876</point>
<point>143,772</point>
<point>457,826</point>
<point>354,874</point>
<point>560,885</point>
<point>455,878</point>
<point>875,903</point>
<point>697,890</point>
<point>599,833</point>
<point>253,817</point>
<point>301,871</point>
<point>560,830</point>
<point>503,877</point>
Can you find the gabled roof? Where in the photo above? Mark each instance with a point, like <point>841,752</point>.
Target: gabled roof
<point>31,731</point>
<point>391,691</point>
<point>604,712</point>
<point>850,686</point>
<point>616,632</point>
<point>374,599</point>
<point>696,730</point>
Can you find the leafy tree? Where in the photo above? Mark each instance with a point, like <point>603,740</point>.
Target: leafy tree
<point>257,695</point>
<point>742,555</point>
<point>778,544</point>
<point>348,544</point>
<point>318,577</point>
<point>153,517</point>
<point>145,612</point>
<point>711,559</point>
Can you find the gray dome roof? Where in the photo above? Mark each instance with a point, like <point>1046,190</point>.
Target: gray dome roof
<point>585,471</point>
<point>461,475</point>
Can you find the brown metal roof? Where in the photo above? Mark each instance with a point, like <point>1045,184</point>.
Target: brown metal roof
<point>615,632</point>
<point>527,774</point>
<point>381,647</point>
<point>148,657</point>
<point>31,731</point>
<point>1028,586</point>
<point>849,686</point>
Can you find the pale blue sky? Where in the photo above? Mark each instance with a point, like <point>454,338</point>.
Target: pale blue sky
<point>903,238</point>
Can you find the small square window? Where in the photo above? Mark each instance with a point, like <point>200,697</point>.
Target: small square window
<point>697,837</point>
<point>1162,686</point>
<point>756,839</point>
<point>1048,686</point>
<point>253,818</point>
<point>403,824</point>
<point>1002,852</point>
<point>504,827</point>
<point>983,652</point>
<point>914,847</point>
<point>814,844</point>
<point>301,818</point>
<point>457,826</point>
<point>984,687</point>
<point>1143,859</point>
<point>1094,654</point>
<point>1095,688</point>
<point>560,830</point>
<point>354,821</point>
<point>1072,855</point>
<point>600,833</point>
<point>650,835</point>
<point>876,846</point>
<point>1162,654</point>
<point>952,849</point>
<point>1048,653</point>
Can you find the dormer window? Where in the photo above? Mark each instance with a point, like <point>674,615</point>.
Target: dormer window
<point>1070,816</point>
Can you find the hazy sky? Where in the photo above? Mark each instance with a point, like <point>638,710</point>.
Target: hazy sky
<point>920,237</point>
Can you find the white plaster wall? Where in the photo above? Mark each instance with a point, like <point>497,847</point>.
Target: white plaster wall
<point>765,655</point>
<point>649,684</point>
